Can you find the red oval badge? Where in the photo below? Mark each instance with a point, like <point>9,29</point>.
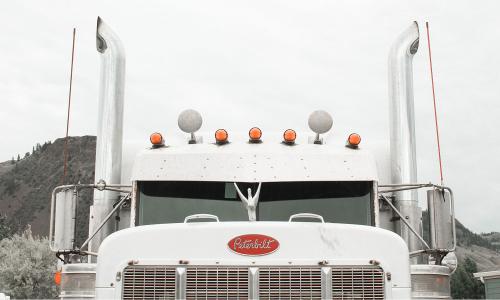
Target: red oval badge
<point>253,244</point>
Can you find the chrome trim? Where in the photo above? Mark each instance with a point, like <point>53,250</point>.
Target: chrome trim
<point>326,283</point>
<point>402,116</point>
<point>253,282</point>
<point>180,283</point>
<point>108,161</point>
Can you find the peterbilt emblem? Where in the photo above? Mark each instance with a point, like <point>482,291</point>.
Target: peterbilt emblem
<point>253,244</point>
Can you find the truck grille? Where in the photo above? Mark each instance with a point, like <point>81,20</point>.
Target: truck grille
<point>149,282</point>
<point>290,283</point>
<point>217,283</point>
<point>234,282</point>
<point>358,283</point>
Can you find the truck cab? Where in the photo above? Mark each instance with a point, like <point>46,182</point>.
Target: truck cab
<point>313,233</point>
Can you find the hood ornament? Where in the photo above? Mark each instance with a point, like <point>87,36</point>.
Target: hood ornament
<point>250,202</point>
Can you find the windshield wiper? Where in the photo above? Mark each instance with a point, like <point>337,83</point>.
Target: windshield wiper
<point>250,202</point>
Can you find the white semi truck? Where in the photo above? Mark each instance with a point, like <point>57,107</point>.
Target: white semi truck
<point>263,216</point>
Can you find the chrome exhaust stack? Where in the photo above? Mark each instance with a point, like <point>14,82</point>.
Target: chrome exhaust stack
<point>108,161</point>
<point>402,131</point>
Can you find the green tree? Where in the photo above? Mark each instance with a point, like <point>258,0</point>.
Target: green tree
<point>4,227</point>
<point>18,157</point>
<point>27,267</point>
<point>463,283</point>
<point>10,185</point>
<point>12,161</point>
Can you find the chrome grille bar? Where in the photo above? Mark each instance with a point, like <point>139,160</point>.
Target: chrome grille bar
<point>253,274</point>
<point>180,283</point>
<point>326,283</point>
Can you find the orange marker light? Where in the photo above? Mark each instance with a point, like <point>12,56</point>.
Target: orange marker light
<point>353,140</point>
<point>221,136</point>
<point>289,136</point>
<point>156,139</point>
<point>255,134</point>
<point>57,278</point>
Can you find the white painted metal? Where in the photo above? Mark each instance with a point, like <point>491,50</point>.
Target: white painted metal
<point>264,162</point>
<point>110,125</point>
<point>201,244</point>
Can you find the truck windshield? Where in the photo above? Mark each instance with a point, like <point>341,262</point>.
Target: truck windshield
<point>172,201</point>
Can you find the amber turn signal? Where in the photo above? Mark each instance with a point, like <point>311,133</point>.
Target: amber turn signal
<point>353,140</point>
<point>57,278</point>
<point>221,136</point>
<point>289,136</point>
<point>156,139</point>
<point>255,134</point>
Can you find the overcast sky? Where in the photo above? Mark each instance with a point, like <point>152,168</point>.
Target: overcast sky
<point>270,63</point>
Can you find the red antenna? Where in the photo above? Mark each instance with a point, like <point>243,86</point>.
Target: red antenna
<point>69,108</point>
<point>434,99</point>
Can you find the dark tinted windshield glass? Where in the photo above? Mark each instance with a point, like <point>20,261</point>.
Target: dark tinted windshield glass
<point>336,202</point>
<point>171,202</point>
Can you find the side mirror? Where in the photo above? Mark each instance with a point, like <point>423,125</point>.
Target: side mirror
<point>63,220</point>
<point>439,204</point>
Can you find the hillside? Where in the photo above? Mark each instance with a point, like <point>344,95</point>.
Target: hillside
<point>26,186</point>
<point>481,248</point>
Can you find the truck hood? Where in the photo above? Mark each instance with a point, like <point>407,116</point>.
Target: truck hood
<point>208,243</point>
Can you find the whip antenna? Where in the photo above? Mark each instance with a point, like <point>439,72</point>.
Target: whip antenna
<point>434,100</point>
<point>69,108</point>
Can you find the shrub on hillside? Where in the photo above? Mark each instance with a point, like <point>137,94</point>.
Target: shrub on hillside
<point>27,267</point>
